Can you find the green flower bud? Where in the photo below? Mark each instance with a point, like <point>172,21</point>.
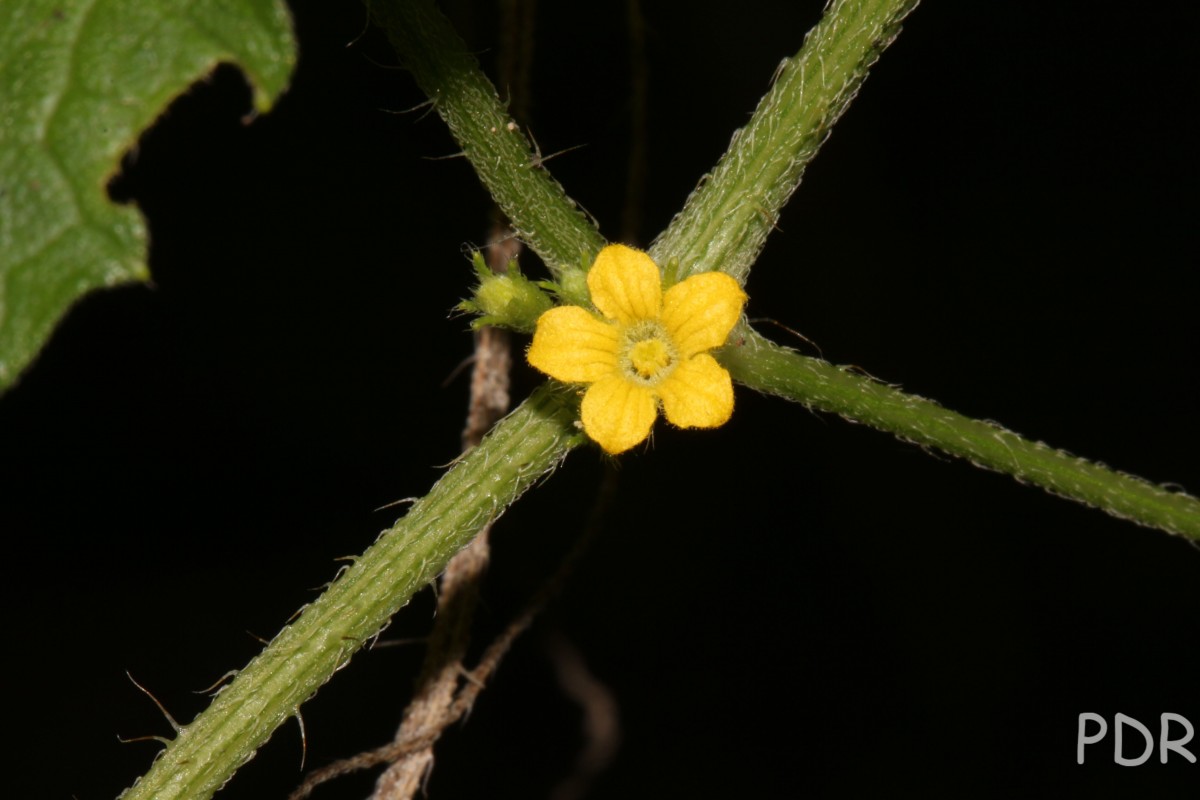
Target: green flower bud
<point>572,286</point>
<point>506,300</point>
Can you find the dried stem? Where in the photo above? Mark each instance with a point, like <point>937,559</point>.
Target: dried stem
<point>475,680</point>
<point>431,709</point>
<point>429,712</point>
<point>639,82</point>
<point>601,719</point>
<point>503,156</point>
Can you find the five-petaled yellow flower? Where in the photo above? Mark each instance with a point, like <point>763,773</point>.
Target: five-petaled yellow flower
<point>649,349</point>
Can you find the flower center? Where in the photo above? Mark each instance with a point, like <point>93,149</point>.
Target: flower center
<point>647,354</point>
<point>649,357</point>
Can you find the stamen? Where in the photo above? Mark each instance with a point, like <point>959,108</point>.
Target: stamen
<point>647,355</point>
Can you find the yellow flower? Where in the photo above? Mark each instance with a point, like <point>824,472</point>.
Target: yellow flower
<point>648,349</point>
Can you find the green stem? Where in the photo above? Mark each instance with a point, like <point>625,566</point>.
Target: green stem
<point>536,205</point>
<point>776,370</point>
<point>522,448</point>
<point>725,222</point>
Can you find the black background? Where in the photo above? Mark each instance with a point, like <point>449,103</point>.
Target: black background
<point>791,605</point>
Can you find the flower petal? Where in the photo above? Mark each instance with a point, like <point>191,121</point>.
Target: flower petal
<point>625,284</point>
<point>570,344</point>
<point>700,312</point>
<point>698,394</point>
<point>617,413</point>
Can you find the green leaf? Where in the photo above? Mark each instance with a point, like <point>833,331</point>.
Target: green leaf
<point>79,81</point>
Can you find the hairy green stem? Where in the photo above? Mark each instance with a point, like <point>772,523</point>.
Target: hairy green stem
<point>511,170</point>
<point>522,448</point>
<point>769,368</point>
<point>725,222</point>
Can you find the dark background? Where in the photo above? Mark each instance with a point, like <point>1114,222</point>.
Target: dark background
<point>789,606</point>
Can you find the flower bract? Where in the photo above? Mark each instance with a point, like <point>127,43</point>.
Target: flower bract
<point>646,349</point>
